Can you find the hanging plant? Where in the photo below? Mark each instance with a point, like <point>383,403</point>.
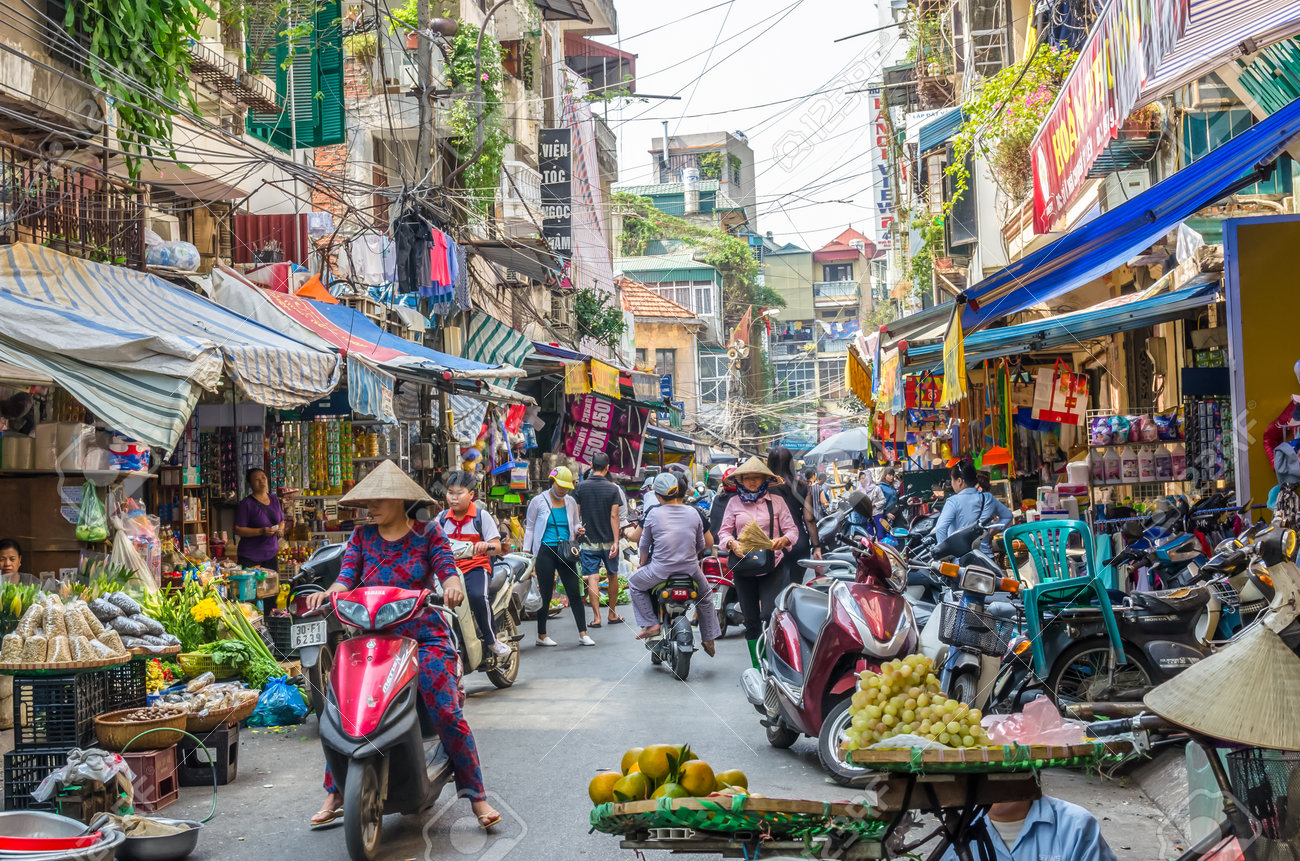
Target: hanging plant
<point>139,56</point>
<point>465,117</point>
<point>1002,118</point>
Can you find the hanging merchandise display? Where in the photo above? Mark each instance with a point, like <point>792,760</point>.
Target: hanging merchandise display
<point>1060,395</point>
<point>595,424</point>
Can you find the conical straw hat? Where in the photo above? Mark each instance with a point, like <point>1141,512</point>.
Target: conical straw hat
<point>754,466</point>
<point>386,481</point>
<point>1248,693</point>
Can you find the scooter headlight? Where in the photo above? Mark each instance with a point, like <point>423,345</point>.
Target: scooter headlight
<point>353,613</point>
<point>981,582</point>
<point>390,613</point>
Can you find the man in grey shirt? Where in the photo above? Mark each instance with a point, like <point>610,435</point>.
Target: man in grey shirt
<point>600,501</point>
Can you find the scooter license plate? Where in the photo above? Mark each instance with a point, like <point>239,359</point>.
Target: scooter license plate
<point>307,634</point>
<point>717,599</point>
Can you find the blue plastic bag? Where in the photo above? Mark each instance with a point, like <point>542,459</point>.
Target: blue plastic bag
<point>281,704</point>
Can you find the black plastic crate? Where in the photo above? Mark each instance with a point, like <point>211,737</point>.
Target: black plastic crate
<point>972,628</point>
<point>219,752</point>
<point>279,628</point>
<point>57,711</point>
<point>124,686</point>
<point>24,771</point>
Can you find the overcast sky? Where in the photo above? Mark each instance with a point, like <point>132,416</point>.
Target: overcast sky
<point>729,64</point>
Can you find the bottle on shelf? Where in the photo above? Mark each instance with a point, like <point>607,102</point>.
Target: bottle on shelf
<point>1164,464</point>
<point>1146,464</point>
<point>1114,472</point>
<point>1179,458</point>
<point>1128,464</point>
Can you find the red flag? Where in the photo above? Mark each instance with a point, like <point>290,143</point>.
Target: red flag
<point>741,332</point>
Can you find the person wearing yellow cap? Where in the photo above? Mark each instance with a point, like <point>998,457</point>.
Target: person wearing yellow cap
<point>552,528</point>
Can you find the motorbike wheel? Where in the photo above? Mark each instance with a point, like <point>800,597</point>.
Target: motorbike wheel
<point>1081,673</point>
<point>507,668</point>
<point>722,618</point>
<point>319,676</point>
<point>363,811</point>
<point>780,736</point>
<point>829,740</point>
<point>682,665</point>
<point>965,688</point>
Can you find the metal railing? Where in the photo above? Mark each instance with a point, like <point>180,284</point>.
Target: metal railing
<point>835,289</point>
<point>71,208</point>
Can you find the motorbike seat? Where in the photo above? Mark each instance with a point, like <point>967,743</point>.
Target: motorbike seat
<point>1000,609</point>
<point>1172,600</point>
<point>500,579</point>
<point>809,608</point>
<point>516,566</point>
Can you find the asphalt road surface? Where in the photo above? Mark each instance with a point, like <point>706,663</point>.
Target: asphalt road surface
<point>572,713</point>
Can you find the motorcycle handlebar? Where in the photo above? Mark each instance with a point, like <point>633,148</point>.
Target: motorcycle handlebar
<point>1141,723</point>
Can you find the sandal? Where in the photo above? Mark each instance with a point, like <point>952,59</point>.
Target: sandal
<point>615,620</point>
<point>325,816</point>
<point>488,820</point>
<point>649,632</point>
<point>595,624</point>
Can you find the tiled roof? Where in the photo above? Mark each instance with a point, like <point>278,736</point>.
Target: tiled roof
<point>658,262</point>
<point>641,301</point>
<point>666,188</point>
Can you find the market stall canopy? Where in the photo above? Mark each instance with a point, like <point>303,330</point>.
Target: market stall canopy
<point>845,445</point>
<point>1113,238</point>
<point>1121,314</point>
<point>672,440</point>
<point>135,348</point>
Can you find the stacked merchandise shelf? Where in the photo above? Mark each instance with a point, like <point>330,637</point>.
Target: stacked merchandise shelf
<point>1209,441</point>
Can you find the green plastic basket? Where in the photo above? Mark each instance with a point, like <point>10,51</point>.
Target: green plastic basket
<point>729,815</point>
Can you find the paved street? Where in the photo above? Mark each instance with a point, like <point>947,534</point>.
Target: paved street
<point>573,711</point>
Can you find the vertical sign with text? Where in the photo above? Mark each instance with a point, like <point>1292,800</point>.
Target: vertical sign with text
<point>555,162</point>
<point>884,190</point>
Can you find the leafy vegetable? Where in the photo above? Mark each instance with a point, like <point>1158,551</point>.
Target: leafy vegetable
<point>231,653</point>
<point>262,665</point>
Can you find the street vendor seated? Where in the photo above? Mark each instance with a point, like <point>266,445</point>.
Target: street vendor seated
<point>11,562</point>
<point>1044,827</point>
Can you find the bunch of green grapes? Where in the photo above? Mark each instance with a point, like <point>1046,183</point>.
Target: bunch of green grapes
<point>905,698</point>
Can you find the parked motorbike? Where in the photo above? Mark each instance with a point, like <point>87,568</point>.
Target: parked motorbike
<point>311,640</point>
<point>379,741</point>
<point>725,599</point>
<point>506,609</point>
<point>816,644</point>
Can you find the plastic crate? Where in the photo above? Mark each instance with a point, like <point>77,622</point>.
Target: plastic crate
<point>57,711</point>
<point>24,771</point>
<point>219,752</point>
<point>972,628</point>
<point>279,628</point>
<point>124,686</point>
<point>156,780</point>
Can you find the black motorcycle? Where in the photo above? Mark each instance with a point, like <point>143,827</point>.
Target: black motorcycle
<point>673,600</point>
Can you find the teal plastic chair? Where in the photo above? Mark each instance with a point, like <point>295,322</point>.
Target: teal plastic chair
<point>1048,542</point>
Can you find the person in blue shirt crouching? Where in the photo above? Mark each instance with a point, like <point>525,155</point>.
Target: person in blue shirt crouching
<point>1045,829</point>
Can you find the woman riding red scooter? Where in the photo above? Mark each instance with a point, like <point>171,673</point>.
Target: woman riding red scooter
<point>395,551</point>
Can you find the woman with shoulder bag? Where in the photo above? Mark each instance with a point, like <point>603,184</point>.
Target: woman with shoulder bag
<point>794,490</point>
<point>756,583</point>
<point>552,528</point>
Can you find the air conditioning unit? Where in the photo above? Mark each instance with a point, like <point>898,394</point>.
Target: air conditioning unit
<point>561,312</point>
<point>1123,186</point>
<point>515,279</point>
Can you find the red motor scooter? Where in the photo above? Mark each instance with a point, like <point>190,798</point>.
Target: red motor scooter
<point>725,599</point>
<point>819,639</point>
<point>378,738</point>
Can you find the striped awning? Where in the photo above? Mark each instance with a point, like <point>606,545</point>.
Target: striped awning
<point>493,342</point>
<point>1218,32</point>
<point>90,325</point>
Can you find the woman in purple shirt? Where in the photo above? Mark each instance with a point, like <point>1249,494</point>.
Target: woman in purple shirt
<point>259,523</point>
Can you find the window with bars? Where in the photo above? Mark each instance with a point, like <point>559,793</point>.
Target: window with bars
<point>695,295</point>
<point>715,377</point>
<point>833,384</point>
<point>796,379</point>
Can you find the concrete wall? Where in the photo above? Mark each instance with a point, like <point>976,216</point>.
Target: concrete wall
<point>791,275</point>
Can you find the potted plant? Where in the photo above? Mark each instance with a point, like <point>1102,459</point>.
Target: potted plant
<point>1143,122</point>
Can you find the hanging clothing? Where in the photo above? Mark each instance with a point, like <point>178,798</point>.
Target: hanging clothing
<point>412,237</point>
<point>367,255</point>
<point>440,271</point>
<point>463,300</point>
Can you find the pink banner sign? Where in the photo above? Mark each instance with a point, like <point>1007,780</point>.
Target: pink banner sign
<point>595,424</point>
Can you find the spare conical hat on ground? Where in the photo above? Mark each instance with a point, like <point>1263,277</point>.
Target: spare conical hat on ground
<point>386,481</point>
<point>1248,693</point>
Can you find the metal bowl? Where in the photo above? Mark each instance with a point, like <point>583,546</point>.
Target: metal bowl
<point>170,847</point>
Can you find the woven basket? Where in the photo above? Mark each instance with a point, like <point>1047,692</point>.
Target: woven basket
<point>212,720</point>
<point>730,814</point>
<point>197,663</point>
<point>114,733</point>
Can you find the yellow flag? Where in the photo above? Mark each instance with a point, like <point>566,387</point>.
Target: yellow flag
<point>604,379</point>
<point>577,380</point>
<point>954,362</point>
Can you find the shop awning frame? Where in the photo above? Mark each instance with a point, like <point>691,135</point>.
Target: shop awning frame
<point>1063,330</point>
<point>1115,237</point>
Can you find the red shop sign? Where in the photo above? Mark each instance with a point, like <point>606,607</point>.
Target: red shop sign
<point>1123,50</point>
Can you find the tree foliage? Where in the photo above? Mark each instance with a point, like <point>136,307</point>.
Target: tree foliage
<point>597,319</point>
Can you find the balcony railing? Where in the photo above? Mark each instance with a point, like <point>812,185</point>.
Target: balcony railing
<point>226,79</point>
<point>70,208</point>
<point>521,195</point>
<point>833,345</point>
<point>836,291</point>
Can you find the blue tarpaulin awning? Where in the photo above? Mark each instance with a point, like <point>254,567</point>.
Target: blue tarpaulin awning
<point>1117,315</point>
<point>1113,238</point>
<point>938,130</point>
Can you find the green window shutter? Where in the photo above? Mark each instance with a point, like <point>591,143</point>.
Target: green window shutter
<point>316,100</point>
